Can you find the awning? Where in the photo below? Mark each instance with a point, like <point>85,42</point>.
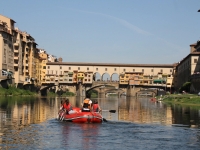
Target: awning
<point>159,80</point>
<point>10,73</point>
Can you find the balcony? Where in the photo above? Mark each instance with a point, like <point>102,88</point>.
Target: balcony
<point>16,51</point>
<point>16,44</point>
<point>16,57</point>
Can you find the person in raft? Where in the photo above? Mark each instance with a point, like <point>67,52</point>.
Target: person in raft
<point>96,107</point>
<point>67,107</point>
<point>87,104</point>
<point>61,109</point>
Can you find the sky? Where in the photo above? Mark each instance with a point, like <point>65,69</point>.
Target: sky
<point>109,31</point>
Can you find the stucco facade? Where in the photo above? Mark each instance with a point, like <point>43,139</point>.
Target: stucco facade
<point>128,74</point>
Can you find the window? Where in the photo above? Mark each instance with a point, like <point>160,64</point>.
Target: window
<point>151,70</point>
<point>195,60</point>
<point>161,70</point>
<point>60,72</point>
<point>44,67</point>
<point>69,68</point>
<point>4,73</point>
<point>48,67</point>
<point>115,69</point>
<point>87,68</point>
<point>170,70</point>
<point>105,69</point>
<point>142,70</point>
<point>60,67</point>
<point>133,70</point>
<point>48,72</point>
<point>56,72</point>
<point>78,68</point>
<point>96,69</point>
<point>85,79</point>
<point>124,70</point>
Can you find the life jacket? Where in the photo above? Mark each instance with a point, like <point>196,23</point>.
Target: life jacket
<point>95,107</point>
<point>67,107</point>
<point>86,103</point>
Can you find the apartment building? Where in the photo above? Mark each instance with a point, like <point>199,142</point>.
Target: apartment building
<point>40,62</point>
<point>6,47</point>
<point>25,58</point>
<point>189,67</point>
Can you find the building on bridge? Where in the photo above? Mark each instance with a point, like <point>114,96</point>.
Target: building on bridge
<point>66,73</point>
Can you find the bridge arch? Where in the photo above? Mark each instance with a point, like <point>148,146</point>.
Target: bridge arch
<point>105,77</point>
<point>118,91</point>
<point>115,77</point>
<point>96,76</point>
<point>146,92</point>
<point>100,86</point>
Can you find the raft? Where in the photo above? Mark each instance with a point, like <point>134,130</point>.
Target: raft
<point>82,117</point>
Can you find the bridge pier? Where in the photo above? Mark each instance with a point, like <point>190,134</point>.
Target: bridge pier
<point>101,93</point>
<point>43,92</point>
<point>130,91</point>
<point>81,90</point>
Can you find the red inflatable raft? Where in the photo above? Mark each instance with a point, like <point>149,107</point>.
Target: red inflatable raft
<point>82,117</point>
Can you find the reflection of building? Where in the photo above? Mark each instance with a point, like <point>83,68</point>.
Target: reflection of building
<point>144,111</point>
<point>168,115</point>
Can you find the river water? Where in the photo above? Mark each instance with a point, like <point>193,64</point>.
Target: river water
<point>29,123</point>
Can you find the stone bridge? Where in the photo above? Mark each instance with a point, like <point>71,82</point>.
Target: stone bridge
<point>147,91</point>
<point>102,87</point>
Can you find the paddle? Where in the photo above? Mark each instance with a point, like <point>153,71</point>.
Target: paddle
<point>111,111</point>
<point>105,120</point>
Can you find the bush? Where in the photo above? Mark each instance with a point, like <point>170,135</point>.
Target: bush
<point>185,87</point>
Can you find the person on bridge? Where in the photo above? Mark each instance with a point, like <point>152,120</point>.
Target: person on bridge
<point>96,107</point>
<point>87,104</point>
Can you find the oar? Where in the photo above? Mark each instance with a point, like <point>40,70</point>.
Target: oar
<point>111,111</point>
<point>105,120</point>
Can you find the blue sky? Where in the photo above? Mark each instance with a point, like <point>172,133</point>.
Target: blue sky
<point>109,31</point>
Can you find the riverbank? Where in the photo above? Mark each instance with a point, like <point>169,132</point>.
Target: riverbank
<point>183,99</point>
<point>13,91</point>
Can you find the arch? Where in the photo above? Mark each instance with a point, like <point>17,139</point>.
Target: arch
<point>114,77</point>
<point>100,85</point>
<point>105,77</point>
<point>118,91</point>
<point>96,76</point>
<point>145,91</point>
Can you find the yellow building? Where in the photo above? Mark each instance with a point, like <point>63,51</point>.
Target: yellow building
<point>41,66</point>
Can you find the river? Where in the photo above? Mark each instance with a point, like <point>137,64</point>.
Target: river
<point>29,123</point>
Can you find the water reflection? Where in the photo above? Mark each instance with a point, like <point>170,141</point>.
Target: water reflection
<point>21,111</point>
<point>25,121</point>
